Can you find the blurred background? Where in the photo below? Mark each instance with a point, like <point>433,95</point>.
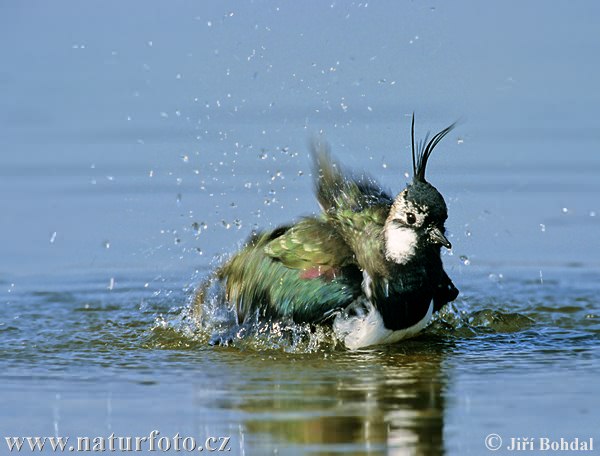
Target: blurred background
<point>122,126</point>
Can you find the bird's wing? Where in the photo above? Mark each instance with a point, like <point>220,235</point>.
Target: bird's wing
<point>363,232</point>
<point>356,206</point>
<point>338,190</point>
<point>298,272</point>
<point>312,245</point>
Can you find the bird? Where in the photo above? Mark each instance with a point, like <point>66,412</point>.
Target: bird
<point>368,265</point>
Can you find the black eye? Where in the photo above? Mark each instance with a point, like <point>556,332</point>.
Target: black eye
<point>410,218</point>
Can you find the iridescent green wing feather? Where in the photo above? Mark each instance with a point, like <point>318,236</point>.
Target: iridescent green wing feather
<point>311,244</point>
<point>356,206</point>
<point>363,232</point>
<point>276,284</point>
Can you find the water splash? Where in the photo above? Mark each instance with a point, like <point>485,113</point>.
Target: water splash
<point>455,322</point>
<point>215,323</point>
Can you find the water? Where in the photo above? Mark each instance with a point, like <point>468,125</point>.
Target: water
<point>139,150</point>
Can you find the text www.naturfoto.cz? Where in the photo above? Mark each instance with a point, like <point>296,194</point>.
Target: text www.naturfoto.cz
<point>113,443</point>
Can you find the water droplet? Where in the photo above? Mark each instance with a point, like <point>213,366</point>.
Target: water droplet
<point>465,260</point>
<point>232,204</point>
<point>238,224</point>
<point>111,283</point>
<point>300,173</point>
<point>263,155</point>
<point>384,165</point>
<point>185,158</point>
<point>467,233</point>
<point>541,277</point>
<point>592,213</point>
<point>460,141</point>
<point>53,238</point>
<point>106,244</point>
<point>199,250</point>
<point>151,173</point>
<point>565,210</point>
<point>178,199</point>
<point>542,228</point>
<point>226,224</point>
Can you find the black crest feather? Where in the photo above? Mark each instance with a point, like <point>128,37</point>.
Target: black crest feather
<point>422,150</point>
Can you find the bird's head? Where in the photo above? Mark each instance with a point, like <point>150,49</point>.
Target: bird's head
<point>417,216</point>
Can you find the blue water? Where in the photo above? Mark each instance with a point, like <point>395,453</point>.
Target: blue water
<point>141,144</point>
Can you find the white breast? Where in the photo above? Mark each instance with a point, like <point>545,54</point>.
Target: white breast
<point>366,328</point>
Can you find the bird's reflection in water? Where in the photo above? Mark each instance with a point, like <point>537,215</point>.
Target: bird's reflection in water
<point>380,401</point>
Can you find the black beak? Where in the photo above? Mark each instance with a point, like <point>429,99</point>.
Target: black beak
<point>437,237</point>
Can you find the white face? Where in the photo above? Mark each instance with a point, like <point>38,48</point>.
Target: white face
<point>400,244</point>
<point>400,229</point>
